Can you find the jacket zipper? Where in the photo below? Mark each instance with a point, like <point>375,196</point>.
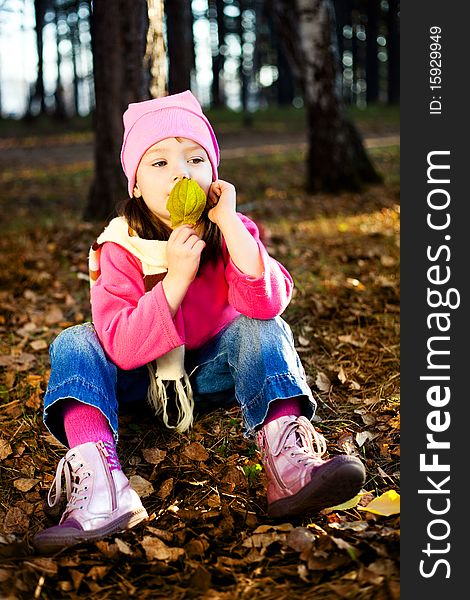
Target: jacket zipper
<point>103,454</point>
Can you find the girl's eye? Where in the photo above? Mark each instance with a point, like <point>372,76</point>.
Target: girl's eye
<point>159,163</point>
<point>196,160</point>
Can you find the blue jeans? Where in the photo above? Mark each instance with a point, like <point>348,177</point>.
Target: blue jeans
<point>251,362</point>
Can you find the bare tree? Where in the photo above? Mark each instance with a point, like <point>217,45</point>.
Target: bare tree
<point>119,36</point>
<point>216,16</point>
<point>156,55</point>
<point>372,64</point>
<point>180,42</point>
<point>393,44</point>
<point>336,158</point>
<point>37,96</point>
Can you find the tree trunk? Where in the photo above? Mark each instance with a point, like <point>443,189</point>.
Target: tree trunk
<point>343,16</point>
<point>37,97</point>
<point>285,80</point>
<point>243,72</point>
<point>336,157</point>
<point>60,112</point>
<point>75,41</point>
<point>216,16</point>
<point>118,43</point>
<point>372,64</point>
<point>393,44</point>
<point>180,43</point>
<point>156,56</point>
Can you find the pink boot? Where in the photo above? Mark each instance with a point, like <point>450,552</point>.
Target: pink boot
<point>100,499</point>
<point>300,482</point>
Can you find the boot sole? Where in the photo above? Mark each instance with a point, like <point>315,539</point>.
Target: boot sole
<point>70,537</point>
<point>340,480</point>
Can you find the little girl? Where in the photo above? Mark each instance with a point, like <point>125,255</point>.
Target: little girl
<point>185,317</point>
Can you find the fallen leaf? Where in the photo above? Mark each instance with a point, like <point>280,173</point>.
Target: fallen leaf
<point>263,540</point>
<point>98,572</point>
<point>27,329</point>
<point>166,488</point>
<point>20,362</point>
<point>302,572</point>
<point>327,563</point>
<point>234,477</point>
<point>163,534</point>
<point>24,484</point>
<point>5,449</point>
<point>196,547</point>
<point>349,339</point>
<point>155,549</point>
<point>38,345</point>
<point>382,473</point>
<point>196,451</point>
<point>77,578</point>
<point>281,527</point>
<point>50,439</point>
<point>357,526</point>
<point>54,315</point>
<point>346,443</point>
<point>342,375</point>
<point>123,547</point>
<point>343,544</point>
<point>387,504</point>
<point>44,565</point>
<point>16,521</point>
<point>348,504</point>
<point>143,487</point>
<point>154,456</point>
<point>300,539</point>
<point>365,436</point>
<point>368,417</point>
<point>213,501</point>
<point>322,382</point>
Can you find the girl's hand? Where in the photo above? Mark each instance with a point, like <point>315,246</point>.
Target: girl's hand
<point>184,250</point>
<point>222,198</point>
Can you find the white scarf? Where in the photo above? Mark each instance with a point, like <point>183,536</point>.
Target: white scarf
<point>170,366</point>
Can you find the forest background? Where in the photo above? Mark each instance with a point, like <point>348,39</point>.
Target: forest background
<point>264,71</point>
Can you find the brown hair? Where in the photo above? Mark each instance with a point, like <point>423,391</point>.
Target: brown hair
<point>149,227</point>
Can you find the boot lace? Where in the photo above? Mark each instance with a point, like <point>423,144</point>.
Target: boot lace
<point>302,441</point>
<point>109,451</point>
<point>75,484</point>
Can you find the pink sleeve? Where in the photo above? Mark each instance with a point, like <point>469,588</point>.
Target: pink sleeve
<point>259,298</point>
<point>134,327</point>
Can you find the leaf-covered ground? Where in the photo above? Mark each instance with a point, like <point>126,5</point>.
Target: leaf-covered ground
<point>208,535</point>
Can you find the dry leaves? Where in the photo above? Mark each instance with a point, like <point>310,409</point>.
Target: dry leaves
<point>156,549</point>
<point>143,487</point>
<point>5,449</point>
<point>208,531</point>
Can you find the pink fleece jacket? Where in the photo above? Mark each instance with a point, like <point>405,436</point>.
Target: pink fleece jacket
<point>136,327</point>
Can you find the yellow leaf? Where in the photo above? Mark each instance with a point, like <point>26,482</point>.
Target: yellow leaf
<point>348,504</point>
<point>387,504</point>
<point>186,203</point>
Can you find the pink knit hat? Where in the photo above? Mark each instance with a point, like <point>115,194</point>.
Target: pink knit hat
<point>150,121</point>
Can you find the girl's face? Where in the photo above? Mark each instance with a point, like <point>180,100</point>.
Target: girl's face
<point>163,165</point>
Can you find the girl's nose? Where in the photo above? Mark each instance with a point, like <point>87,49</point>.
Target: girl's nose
<point>179,175</point>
